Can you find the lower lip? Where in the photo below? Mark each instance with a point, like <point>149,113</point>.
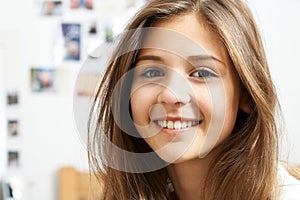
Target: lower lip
<point>174,132</point>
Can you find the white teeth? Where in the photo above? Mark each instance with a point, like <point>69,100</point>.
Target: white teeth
<point>164,124</point>
<point>170,125</point>
<point>183,124</point>
<point>177,124</point>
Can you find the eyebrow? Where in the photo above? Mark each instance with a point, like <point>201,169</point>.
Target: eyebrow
<point>149,57</point>
<point>204,57</point>
<point>190,58</point>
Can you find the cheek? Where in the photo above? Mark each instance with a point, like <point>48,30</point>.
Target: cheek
<point>141,102</point>
<point>204,102</point>
<point>232,106</point>
<point>218,105</point>
<point>230,109</point>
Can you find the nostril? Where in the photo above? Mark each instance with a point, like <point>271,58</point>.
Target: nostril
<point>179,103</point>
<point>173,98</point>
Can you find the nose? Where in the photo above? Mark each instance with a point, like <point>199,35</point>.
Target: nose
<point>176,92</point>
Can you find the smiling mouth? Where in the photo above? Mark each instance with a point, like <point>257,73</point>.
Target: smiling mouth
<point>176,125</point>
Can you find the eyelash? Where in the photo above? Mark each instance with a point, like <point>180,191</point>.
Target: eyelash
<point>199,73</point>
<point>149,73</point>
<point>203,73</point>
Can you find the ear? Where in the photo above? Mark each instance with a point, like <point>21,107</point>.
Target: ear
<point>244,104</point>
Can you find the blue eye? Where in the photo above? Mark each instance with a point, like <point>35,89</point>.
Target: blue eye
<point>151,73</point>
<point>203,73</point>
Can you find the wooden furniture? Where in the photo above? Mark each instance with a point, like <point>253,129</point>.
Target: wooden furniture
<point>77,185</point>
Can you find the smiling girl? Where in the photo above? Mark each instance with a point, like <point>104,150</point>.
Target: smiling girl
<point>187,109</point>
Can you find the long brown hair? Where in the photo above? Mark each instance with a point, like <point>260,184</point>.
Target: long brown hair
<point>245,166</point>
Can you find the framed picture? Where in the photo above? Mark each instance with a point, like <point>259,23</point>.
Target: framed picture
<point>42,80</point>
<point>12,97</point>
<point>93,28</point>
<point>81,4</point>
<point>71,33</point>
<point>13,159</point>
<point>13,127</point>
<point>52,8</point>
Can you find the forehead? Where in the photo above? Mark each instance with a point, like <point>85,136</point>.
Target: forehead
<point>185,35</point>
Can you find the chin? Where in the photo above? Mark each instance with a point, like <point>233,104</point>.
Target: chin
<point>174,157</point>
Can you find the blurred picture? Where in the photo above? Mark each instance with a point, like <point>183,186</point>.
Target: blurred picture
<point>86,4</point>
<point>13,159</point>
<point>52,8</point>
<point>12,98</point>
<point>71,40</point>
<point>93,28</point>
<point>42,80</point>
<point>12,128</point>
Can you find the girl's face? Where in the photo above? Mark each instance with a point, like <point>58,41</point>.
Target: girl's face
<point>184,104</point>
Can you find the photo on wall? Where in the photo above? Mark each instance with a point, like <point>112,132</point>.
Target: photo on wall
<point>51,80</point>
<point>81,4</point>
<point>13,159</point>
<point>12,127</point>
<point>42,80</point>
<point>12,97</point>
<point>93,28</point>
<point>95,35</point>
<point>109,33</point>
<point>71,34</point>
<point>51,8</point>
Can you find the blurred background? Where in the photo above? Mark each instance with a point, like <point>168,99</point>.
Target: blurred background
<point>43,45</point>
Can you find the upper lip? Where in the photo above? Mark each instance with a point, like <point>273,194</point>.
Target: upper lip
<point>171,118</point>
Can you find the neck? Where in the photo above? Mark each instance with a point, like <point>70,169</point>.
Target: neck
<point>189,177</point>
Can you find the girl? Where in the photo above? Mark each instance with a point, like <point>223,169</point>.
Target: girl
<point>187,110</point>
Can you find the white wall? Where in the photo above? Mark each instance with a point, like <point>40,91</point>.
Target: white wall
<point>280,27</point>
<point>2,117</point>
<point>48,138</point>
<point>48,135</point>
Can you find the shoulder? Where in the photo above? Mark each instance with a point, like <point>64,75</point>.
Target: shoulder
<point>289,186</point>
